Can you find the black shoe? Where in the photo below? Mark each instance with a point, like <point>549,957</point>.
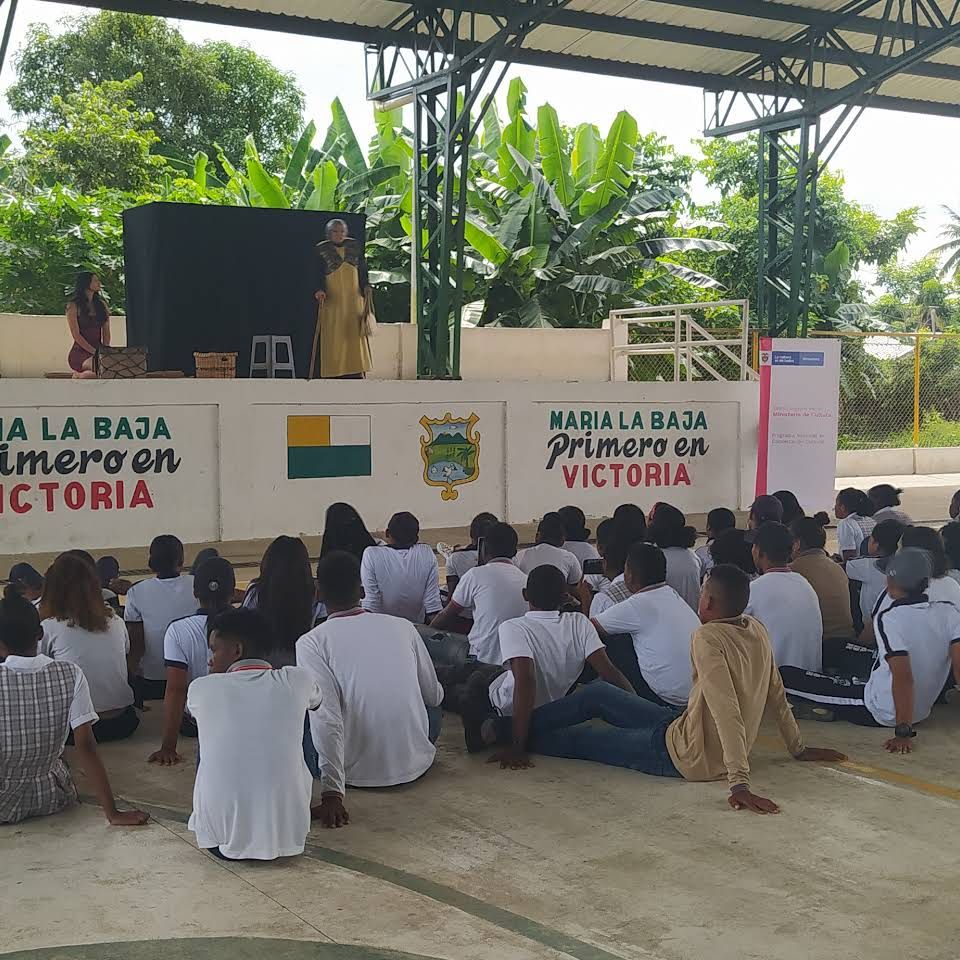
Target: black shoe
<point>474,720</point>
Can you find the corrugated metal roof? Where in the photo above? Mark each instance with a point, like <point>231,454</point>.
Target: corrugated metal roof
<point>698,42</point>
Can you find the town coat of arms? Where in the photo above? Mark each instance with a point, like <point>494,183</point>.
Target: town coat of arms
<point>451,453</point>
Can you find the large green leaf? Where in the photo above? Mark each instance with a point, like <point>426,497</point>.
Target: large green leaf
<point>508,230</point>
<point>294,177</point>
<point>517,134</point>
<point>347,139</point>
<point>586,230</point>
<point>484,242</point>
<point>537,231</point>
<point>587,145</point>
<point>541,185</point>
<point>613,174</point>
<point>200,161</point>
<point>661,245</point>
<point>388,277</point>
<point>325,181</point>
<point>553,154</point>
<point>267,188</point>
<point>365,182</point>
<point>681,272</point>
<point>650,201</point>
<point>597,283</point>
<point>533,314</point>
<point>491,130</point>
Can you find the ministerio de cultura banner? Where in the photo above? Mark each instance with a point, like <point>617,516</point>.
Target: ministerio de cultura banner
<point>799,411</point>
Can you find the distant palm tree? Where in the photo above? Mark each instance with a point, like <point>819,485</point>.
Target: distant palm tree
<point>951,246</point>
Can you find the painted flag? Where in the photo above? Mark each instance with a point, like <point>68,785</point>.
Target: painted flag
<point>320,447</point>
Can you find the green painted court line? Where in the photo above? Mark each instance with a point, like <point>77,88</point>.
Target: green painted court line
<point>212,948</point>
<point>475,907</point>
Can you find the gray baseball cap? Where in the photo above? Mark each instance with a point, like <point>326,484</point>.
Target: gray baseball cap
<point>909,567</point>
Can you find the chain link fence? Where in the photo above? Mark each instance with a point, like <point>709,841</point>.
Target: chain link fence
<point>899,390</point>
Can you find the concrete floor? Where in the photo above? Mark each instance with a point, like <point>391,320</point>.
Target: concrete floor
<point>567,859</point>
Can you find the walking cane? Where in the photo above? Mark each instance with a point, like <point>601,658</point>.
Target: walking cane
<point>316,343</point>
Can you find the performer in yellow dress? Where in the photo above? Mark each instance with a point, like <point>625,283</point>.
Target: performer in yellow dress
<point>344,295</point>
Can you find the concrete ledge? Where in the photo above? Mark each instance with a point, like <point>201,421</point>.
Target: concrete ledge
<point>874,463</point>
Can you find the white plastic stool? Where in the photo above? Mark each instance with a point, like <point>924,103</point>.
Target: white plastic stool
<point>271,364</point>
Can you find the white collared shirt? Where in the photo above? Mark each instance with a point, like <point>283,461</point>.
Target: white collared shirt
<point>661,624</point>
<point>493,593</point>
<point>156,603</point>
<point>852,530</point>
<point>101,656</point>
<point>786,604</point>
<point>401,582</point>
<point>546,554</point>
<point>377,680</point>
<point>251,797</point>
<point>557,643</point>
<point>683,574</point>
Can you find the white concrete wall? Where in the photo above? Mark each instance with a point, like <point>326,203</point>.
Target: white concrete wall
<point>208,460</point>
<point>31,346</point>
<point>901,462</point>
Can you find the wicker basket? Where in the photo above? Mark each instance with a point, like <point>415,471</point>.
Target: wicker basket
<point>121,363</point>
<point>216,366</point>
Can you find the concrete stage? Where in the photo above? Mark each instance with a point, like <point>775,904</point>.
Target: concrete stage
<point>564,860</point>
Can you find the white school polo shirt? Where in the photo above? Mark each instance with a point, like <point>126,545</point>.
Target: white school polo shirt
<point>546,554</point>
<point>156,604</point>
<point>786,604</point>
<point>460,561</point>
<point>101,656</point>
<point>683,574</point>
<point>493,593</point>
<point>872,580</point>
<point>852,530</point>
<point>377,681</point>
<point>661,624</point>
<point>402,583</point>
<point>923,631</point>
<point>940,590</point>
<point>557,643</point>
<point>584,550</point>
<point>252,794</point>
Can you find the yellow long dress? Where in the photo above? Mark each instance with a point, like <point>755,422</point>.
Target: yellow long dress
<point>344,346</point>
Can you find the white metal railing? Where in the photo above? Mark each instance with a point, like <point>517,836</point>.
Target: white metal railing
<point>685,338</point>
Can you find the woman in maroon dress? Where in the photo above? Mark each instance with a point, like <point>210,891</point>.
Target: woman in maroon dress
<point>89,323</point>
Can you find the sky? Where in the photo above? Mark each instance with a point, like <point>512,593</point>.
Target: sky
<point>890,160</point>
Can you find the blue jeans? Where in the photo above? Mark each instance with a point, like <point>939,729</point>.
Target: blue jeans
<point>434,722</point>
<point>634,735</point>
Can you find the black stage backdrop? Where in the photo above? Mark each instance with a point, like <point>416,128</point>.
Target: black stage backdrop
<point>206,278</point>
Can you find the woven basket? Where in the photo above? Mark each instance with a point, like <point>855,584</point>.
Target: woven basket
<point>121,363</point>
<point>216,366</point>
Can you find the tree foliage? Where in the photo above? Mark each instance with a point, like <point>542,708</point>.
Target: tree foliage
<point>198,94</point>
<point>100,140</point>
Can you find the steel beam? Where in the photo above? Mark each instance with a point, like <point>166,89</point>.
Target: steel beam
<point>450,68</point>
<point>7,30</point>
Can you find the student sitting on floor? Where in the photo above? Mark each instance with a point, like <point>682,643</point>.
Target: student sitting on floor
<point>731,548</point>
<point>344,529</point>
<point>734,683</point>
<point>490,593</point>
<point>41,702</point>
<point>660,624</point>
<point>28,582</point>
<point>784,602</point>
<point>886,504</point>
<point>765,509</point>
<point>791,507</point>
<point>78,626</point>
<point>918,641</point>
<point>186,653</point>
<point>401,578</point>
<point>544,651</point>
<point>614,566</point>
<point>466,558</point>
<point>549,550</point>
<point>719,520</point>
<point>854,512</point>
<point>951,545</point>
<point>631,523</point>
<point>151,606</point>
<point>669,531</point>
<point>577,541</point>
<point>828,580</point>
<point>251,797</point>
<point>286,595</point>
<point>381,699</point>
<point>870,572</point>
